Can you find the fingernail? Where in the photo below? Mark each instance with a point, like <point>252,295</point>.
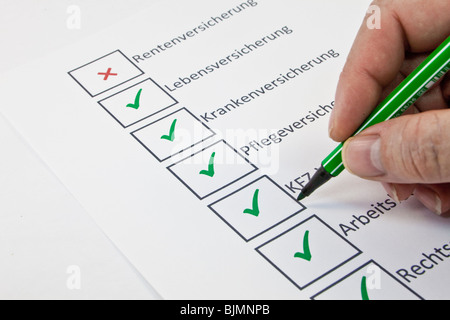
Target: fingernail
<point>337,103</point>
<point>392,191</point>
<point>331,122</point>
<point>429,199</point>
<point>361,156</point>
<point>331,126</point>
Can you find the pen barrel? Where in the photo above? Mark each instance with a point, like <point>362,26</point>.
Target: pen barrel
<point>333,163</point>
<point>434,67</point>
<point>404,96</point>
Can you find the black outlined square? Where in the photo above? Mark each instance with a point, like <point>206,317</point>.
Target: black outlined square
<point>328,251</point>
<point>152,100</point>
<point>229,167</point>
<point>188,132</point>
<point>350,287</point>
<point>274,206</point>
<point>116,63</point>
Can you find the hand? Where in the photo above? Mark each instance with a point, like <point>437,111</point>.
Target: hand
<point>409,154</point>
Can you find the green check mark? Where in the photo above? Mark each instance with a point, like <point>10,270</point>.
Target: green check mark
<point>135,105</point>
<point>210,172</point>
<point>171,136</point>
<point>364,294</point>
<point>255,208</point>
<point>306,255</point>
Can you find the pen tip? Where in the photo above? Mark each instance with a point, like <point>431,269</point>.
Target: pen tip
<point>300,197</point>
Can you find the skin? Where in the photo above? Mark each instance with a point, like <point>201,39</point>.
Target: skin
<point>410,155</point>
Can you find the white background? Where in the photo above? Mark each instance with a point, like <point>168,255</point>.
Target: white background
<point>43,229</point>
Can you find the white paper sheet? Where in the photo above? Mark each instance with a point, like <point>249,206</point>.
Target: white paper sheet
<point>50,247</point>
<point>188,130</point>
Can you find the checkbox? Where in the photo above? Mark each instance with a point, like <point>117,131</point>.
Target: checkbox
<point>212,169</point>
<point>172,134</point>
<point>256,208</point>
<point>308,252</point>
<point>137,103</point>
<point>105,73</point>
<point>369,282</point>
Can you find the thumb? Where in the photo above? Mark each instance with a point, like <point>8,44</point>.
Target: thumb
<point>412,149</point>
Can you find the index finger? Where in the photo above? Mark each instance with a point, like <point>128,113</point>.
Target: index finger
<point>377,56</point>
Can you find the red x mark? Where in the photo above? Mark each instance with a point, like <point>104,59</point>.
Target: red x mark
<point>107,74</point>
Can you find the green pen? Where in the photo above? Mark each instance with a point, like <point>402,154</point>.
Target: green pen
<point>406,94</point>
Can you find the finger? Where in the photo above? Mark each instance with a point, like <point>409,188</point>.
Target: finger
<point>438,97</point>
<point>365,75</point>
<point>445,85</point>
<point>399,192</point>
<point>432,99</point>
<point>377,56</point>
<point>413,149</point>
<point>435,197</point>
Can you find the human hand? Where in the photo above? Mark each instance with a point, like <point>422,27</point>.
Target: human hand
<point>409,154</point>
